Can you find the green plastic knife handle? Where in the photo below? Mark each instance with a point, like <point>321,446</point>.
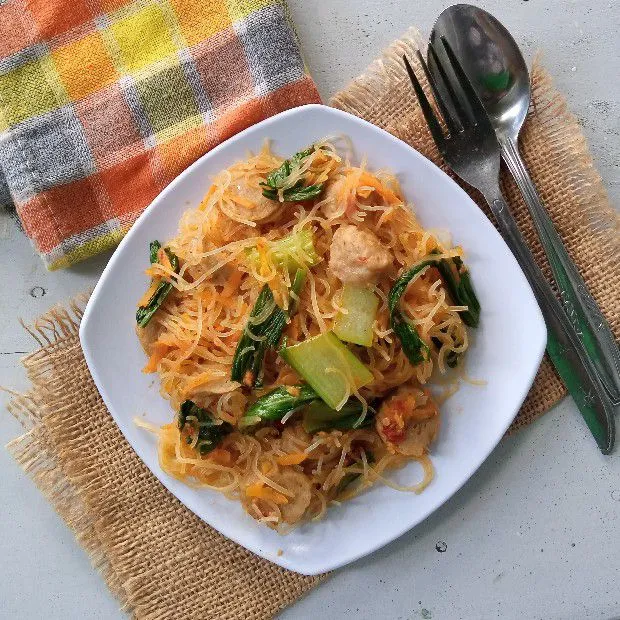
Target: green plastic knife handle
<point>566,350</point>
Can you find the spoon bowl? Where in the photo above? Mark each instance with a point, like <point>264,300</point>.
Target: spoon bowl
<point>491,59</point>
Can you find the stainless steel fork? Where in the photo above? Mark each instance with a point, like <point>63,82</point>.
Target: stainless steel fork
<point>470,148</point>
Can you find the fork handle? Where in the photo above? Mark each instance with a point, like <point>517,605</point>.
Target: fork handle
<point>565,349</point>
<point>585,316</point>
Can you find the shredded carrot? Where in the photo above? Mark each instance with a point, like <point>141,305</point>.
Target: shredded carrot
<point>259,490</point>
<point>220,456</point>
<point>292,459</point>
<point>144,300</point>
<point>232,284</point>
<point>205,201</point>
<point>162,259</point>
<point>369,180</point>
<point>240,200</point>
<point>159,352</point>
<point>194,382</point>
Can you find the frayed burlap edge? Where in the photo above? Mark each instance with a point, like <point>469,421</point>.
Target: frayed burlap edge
<point>382,95</point>
<point>34,450</point>
<point>50,452</point>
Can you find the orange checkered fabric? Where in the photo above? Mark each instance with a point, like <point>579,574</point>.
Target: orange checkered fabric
<point>104,102</point>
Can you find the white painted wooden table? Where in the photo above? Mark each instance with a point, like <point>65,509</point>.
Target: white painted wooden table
<point>535,533</point>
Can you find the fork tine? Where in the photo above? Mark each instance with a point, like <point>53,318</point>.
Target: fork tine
<point>470,93</point>
<point>452,119</point>
<point>427,110</point>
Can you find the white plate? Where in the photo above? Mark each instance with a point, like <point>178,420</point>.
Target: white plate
<point>506,351</point>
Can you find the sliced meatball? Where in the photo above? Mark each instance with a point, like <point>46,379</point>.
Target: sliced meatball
<point>246,202</point>
<point>356,256</point>
<point>338,198</point>
<point>408,421</point>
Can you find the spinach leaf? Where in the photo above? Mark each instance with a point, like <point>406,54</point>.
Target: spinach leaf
<point>413,346</point>
<point>458,281</point>
<point>154,248</point>
<point>247,366</point>
<point>319,416</point>
<point>210,430</point>
<point>277,179</point>
<point>145,313</point>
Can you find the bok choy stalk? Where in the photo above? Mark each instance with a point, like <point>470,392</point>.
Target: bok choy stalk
<point>160,291</point>
<point>361,306</point>
<point>278,179</point>
<point>263,331</point>
<point>274,405</point>
<point>210,430</point>
<point>328,366</point>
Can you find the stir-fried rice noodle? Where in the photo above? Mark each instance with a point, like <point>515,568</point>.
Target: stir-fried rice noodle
<point>191,339</point>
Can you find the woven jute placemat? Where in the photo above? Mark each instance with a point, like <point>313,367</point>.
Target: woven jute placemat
<point>161,560</point>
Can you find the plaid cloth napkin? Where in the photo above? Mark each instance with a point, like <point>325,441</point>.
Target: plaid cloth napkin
<point>104,102</point>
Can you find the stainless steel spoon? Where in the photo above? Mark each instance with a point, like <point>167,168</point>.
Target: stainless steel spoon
<point>494,64</point>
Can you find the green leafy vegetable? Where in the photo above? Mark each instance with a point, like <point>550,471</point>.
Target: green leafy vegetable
<point>145,313</point>
<point>247,366</point>
<point>274,405</point>
<point>154,248</point>
<point>356,325</point>
<point>328,366</point>
<point>458,281</point>
<point>278,179</point>
<point>294,251</point>
<point>318,416</point>
<point>250,352</point>
<point>413,346</point>
<point>210,430</point>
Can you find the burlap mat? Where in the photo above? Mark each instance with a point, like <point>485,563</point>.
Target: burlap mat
<point>161,560</point>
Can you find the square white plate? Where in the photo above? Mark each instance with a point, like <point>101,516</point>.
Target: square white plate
<point>506,351</point>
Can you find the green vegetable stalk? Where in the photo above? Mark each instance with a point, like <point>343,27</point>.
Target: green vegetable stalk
<point>328,366</point>
<point>145,313</point>
<point>210,430</point>
<point>318,416</point>
<point>294,251</point>
<point>274,405</point>
<point>356,325</point>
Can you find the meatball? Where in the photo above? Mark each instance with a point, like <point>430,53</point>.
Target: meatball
<point>408,421</point>
<point>356,256</point>
<point>337,200</point>
<point>248,203</point>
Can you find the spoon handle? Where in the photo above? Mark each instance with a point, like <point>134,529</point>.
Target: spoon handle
<point>585,316</point>
<point>565,349</point>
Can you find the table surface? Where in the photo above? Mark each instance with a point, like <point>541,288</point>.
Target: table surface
<point>534,533</point>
